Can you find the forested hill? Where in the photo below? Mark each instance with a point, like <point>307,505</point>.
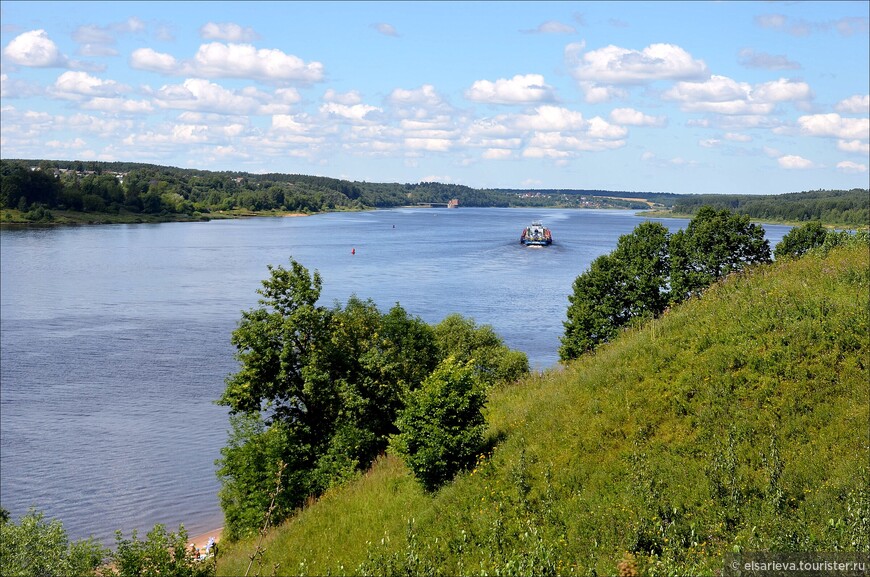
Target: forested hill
<point>846,207</point>
<point>35,190</point>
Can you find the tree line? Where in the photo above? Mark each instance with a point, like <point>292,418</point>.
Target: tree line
<point>35,187</point>
<point>845,207</point>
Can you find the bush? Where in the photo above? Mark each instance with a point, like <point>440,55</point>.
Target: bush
<point>36,546</point>
<point>801,239</point>
<point>441,429</point>
<point>161,553</point>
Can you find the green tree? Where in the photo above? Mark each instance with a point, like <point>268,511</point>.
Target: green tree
<point>595,310</point>
<point>278,345</point>
<point>713,245</point>
<point>36,546</point>
<point>374,360</point>
<point>441,429</point>
<point>801,239</point>
<point>626,285</point>
<point>318,390</point>
<point>492,360</point>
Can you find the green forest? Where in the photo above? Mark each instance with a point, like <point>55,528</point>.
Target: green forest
<point>54,191</point>
<point>849,208</point>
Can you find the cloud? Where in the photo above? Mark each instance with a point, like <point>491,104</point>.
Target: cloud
<point>847,26</point>
<point>632,117</point>
<point>75,85</point>
<point>385,29</point>
<point>521,89</point>
<point>836,126</point>
<point>723,95</point>
<point>198,94</point>
<point>552,27</point>
<point>100,40</point>
<point>751,59</point>
<point>792,161</point>
<point>854,146</point>
<point>218,60</point>
<point>426,96</point>
<point>228,32</point>
<point>149,59</point>
<point>857,104</point>
<point>551,119</point>
<point>118,105</point>
<point>850,167</point>
<point>15,88</point>
<point>616,65</point>
<point>35,49</point>
<point>735,137</point>
<point>353,113</point>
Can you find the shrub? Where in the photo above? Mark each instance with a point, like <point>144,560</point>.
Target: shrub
<point>36,546</point>
<point>441,429</point>
<point>161,553</point>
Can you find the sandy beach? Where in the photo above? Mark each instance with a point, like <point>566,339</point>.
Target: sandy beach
<point>201,540</point>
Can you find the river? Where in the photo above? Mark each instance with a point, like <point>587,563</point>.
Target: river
<point>114,339</point>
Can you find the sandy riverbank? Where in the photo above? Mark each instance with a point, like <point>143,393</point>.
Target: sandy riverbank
<point>201,540</point>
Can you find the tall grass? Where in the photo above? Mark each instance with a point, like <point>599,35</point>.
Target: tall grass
<point>736,422</point>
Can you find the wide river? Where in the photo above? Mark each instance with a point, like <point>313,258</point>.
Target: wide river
<point>115,339</point>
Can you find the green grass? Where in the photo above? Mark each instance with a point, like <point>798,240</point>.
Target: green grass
<point>736,422</point>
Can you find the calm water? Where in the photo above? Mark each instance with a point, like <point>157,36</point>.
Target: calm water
<point>114,340</point>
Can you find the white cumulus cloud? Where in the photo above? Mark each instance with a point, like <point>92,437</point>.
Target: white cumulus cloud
<point>632,117</point>
<point>851,167</point>
<point>35,49</point>
<point>792,161</point>
<point>836,126</point>
<point>521,89</point>
<point>73,84</point>
<point>857,104</point>
<point>617,65</point>
<point>218,60</point>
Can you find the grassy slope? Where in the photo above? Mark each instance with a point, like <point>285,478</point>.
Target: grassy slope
<point>739,420</point>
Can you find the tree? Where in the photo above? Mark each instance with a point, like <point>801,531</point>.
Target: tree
<point>713,245</point>
<point>36,546</point>
<point>373,361</point>
<point>801,239</point>
<point>492,360</point>
<point>628,284</point>
<point>441,429</point>
<point>318,390</point>
<point>280,394</point>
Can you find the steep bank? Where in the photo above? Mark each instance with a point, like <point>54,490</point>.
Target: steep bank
<point>737,421</point>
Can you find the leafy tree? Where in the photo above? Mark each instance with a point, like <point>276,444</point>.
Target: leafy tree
<point>374,360</point>
<point>801,239</point>
<point>492,360</point>
<point>36,546</point>
<point>277,346</point>
<point>714,244</point>
<point>441,429</point>
<point>318,390</point>
<point>248,468</point>
<point>628,284</point>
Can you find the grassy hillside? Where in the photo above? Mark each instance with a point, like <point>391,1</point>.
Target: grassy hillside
<point>738,421</point>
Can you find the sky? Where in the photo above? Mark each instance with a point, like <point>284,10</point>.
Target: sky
<point>683,97</point>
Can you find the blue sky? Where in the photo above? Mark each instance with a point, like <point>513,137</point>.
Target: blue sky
<point>685,97</point>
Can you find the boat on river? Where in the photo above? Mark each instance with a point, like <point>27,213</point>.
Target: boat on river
<point>536,234</point>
